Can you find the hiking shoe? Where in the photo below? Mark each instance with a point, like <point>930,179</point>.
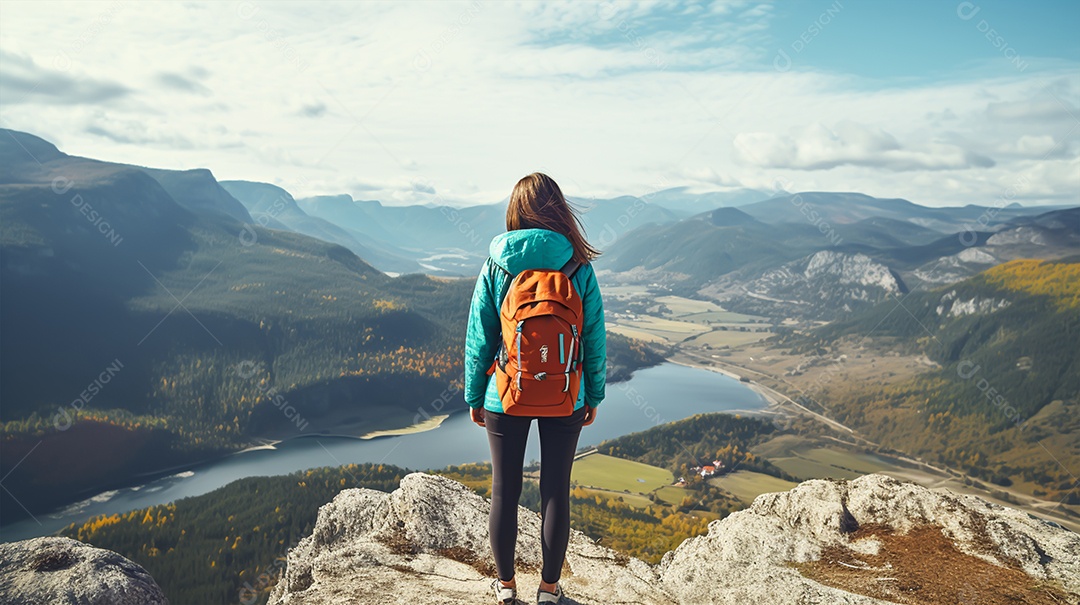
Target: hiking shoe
<point>503,594</point>
<point>544,597</point>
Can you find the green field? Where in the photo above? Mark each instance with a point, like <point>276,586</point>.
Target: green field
<point>635,333</point>
<point>684,306</point>
<point>655,329</point>
<point>616,474</point>
<point>635,500</point>
<point>688,309</point>
<point>687,320</point>
<point>673,494</point>
<point>810,459</point>
<point>782,445</point>
<point>730,338</point>
<point>729,317</point>
<point>822,463</point>
<point>747,485</point>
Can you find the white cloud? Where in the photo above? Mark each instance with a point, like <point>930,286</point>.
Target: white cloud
<point>23,81</point>
<point>182,83</point>
<point>818,147</point>
<point>608,101</point>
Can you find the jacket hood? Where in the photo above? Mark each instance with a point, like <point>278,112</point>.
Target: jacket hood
<point>523,249</point>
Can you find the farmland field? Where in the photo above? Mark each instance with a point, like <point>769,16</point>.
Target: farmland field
<point>616,474</point>
<point>673,494</point>
<point>635,500</point>
<point>747,485</point>
<point>730,338</point>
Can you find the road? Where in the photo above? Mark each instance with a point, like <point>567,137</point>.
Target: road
<point>931,475</point>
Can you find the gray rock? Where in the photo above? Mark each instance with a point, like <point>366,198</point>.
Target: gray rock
<point>748,553</point>
<point>427,542</point>
<point>62,571</point>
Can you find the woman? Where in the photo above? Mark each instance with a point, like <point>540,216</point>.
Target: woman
<point>542,232</point>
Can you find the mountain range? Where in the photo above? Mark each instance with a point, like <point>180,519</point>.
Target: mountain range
<point>153,318</point>
<point>748,250</point>
<point>149,320</point>
<point>167,314</point>
<point>768,257</point>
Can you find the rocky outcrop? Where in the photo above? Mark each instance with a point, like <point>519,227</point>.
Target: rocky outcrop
<point>819,286</point>
<point>951,306</point>
<point>427,542</point>
<point>749,555</point>
<point>62,571</point>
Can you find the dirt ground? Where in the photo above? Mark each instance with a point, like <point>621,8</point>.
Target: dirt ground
<point>923,567</point>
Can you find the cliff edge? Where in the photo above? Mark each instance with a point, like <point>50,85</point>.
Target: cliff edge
<point>870,540</point>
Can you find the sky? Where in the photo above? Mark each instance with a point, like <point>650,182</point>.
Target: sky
<point>940,102</point>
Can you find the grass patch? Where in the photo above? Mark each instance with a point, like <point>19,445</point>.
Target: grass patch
<point>635,500</point>
<point>860,463</point>
<point>747,485</point>
<point>808,459</point>
<point>673,494</point>
<point>685,306</point>
<point>728,317</point>
<point>616,474</point>
<point>729,338</point>
<point>660,324</point>
<point>639,334</point>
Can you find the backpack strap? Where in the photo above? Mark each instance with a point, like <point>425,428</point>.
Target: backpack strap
<point>506,284</point>
<point>500,355</point>
<point>571,267</point>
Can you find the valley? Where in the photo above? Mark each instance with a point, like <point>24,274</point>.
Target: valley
<point>810,389</point>
<point>246,332</point>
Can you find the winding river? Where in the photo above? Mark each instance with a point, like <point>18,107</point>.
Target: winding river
<point>653,396</point>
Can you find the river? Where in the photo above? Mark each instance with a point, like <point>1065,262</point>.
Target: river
<point>653,396</point>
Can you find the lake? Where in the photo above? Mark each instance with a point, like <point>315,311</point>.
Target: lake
<point>653,396</point>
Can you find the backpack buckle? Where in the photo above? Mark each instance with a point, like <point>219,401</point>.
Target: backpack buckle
<point>540,376</point>
<point>503,357</point>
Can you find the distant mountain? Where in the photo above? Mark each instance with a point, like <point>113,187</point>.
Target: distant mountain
<point>881,232</point>
<point>441,239</point>
<point>1051,235</point>
<point>681,201</point>
<point>836,208</point>
<point>446,239</point>
<point>198,191</point>
<point>754,258</point>
<point>732,217</point>
<point>141,332</point>
<point>695,251</point>
<point>273,207</point>
<point>823,285</point>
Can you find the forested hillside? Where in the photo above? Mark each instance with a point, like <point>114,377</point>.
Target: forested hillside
<point>148,324</point>
<point>1004,404</point>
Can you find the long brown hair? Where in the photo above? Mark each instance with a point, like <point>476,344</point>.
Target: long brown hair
<point>538,203</point>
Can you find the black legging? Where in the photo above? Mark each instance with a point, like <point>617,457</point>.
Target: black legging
<point>558,443</point>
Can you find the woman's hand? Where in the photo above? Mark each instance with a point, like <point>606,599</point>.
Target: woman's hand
<point>590,415</point>
<point>477,415</point>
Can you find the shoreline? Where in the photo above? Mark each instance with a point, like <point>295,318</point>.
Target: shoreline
<point>774,404</point>
<point>269,443</point>
<point>423,426</point>
<point>141,479</point>
<point>357,431</point>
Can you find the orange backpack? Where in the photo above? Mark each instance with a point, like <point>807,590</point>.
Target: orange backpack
<point>538,365</point>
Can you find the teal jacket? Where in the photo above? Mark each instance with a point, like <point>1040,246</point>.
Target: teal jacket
<point>517,251</point>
